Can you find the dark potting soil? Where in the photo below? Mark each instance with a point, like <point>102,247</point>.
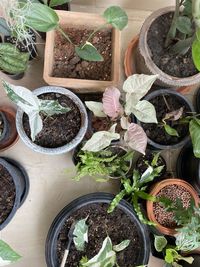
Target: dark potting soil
<point>172,64</point>
<point>60,129</point>
<point>1,125</point>
<point>117,225</point>
<point>156,132</point>
<point>7,194</point>
<point>171,192</point>
<point>67,63</point>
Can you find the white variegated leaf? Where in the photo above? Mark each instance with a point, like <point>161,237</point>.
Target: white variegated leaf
<point>113,128</point>
<point>100,140</point>
<point>144,111</point>
<point>124,244</point>
<point>131,102</point>
<point>80,234</point>
<point>51,107</point>
<point>35,123</point>
<point>124,123</point>
<point>96,108</point>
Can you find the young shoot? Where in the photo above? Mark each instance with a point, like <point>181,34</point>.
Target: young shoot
<point>7,254</point>
<point>33,106</point>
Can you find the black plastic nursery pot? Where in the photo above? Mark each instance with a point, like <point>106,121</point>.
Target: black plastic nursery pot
<point>157,137</point>
<point>14,176</point>
<point>95,201</point>
<point>188,166</point>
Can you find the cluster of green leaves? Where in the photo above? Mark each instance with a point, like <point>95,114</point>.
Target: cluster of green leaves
<point>102,164</point>
<point>185,29</point>
<point>135,189</point>
<point>7,254</point>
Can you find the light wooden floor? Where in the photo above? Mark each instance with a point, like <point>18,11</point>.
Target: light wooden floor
<point>51,187</point>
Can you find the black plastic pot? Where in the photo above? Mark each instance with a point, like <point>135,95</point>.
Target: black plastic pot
<point>185,101</point>
<point>188,167</point>
<point>51,242</point>
<point>21,181</point>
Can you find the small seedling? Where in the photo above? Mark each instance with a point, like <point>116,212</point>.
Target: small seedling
<point>7,254</point>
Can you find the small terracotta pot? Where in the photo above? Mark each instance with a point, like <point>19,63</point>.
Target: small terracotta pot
<point>11,135</point>
<point>156,189</point>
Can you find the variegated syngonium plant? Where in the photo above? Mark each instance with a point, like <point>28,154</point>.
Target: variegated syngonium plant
<point>135,87</point>
<point>33,106</point>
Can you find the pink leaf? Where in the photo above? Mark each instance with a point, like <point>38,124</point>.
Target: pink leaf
<point>136,138</point>
<point>111,104</point>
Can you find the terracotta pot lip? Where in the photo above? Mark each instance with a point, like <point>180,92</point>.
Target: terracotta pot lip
<point>146,53</point>
<point>128,58</point>
<point>156,189</point>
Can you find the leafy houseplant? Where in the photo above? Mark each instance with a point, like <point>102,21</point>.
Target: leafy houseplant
<point>7,254</point>
<point>131,135</point>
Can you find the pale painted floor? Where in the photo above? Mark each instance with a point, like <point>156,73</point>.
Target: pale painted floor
<point>51,187</point>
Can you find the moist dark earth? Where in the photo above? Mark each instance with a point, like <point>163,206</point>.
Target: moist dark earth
<point>60,129</point>
<point>172,192</point>
<point>157,132</point>
<point>7,194</point>
<point>174,65</point>
<point>117,225</point>
<point>67,63</point>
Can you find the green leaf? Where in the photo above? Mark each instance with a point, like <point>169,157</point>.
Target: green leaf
<point>187,8</point>
<point>51,107</point>
<point>41,18</point>
<point>124,244</point>
<point>96,108</point>
<point>184,25</point>
<point>7,254</point>
<point>58,2</point>
<point>146,196</point>
<point>81,234</point>
<point>171,255</point>
<point>160,242</point>
<point>181,47</point>
<point>196,53</point>
<point>4,28</point>
<point>194,128</point>
<point>171,131</point>
<point>88,52</point>
<point>117,17</point>
<point>116,201</point>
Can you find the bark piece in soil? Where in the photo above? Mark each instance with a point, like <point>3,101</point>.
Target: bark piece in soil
<point>7,194</point>
<point>116,224</point>
<point>60,129</point>
<point>174,65</point>
<point>67,64</point>
<point>171,192</point>
<point>156,132</point>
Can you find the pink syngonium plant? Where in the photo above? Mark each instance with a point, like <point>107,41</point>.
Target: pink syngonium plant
<point>132,135</point>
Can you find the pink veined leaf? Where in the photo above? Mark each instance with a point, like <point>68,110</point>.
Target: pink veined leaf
<point>136,138</point>
<point>111,104</point>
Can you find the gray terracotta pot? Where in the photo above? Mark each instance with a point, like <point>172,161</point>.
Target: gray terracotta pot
<point>63,149</point>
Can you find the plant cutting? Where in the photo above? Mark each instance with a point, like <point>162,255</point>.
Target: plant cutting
<point>126,248</point>
<point>55,120</point>
<point>135,189</point>
<point>131,135</point>
<point>176,56</point>
<point>7,254</point>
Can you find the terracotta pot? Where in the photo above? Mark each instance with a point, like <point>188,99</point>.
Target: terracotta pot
<point>156,189</point>
<point>11,135</point>
<point>145,63</point>
<point>77,20</point>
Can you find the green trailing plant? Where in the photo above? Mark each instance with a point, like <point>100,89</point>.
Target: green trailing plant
<point>102,164</point>
<point>43,18</point>
<point>33,106</point>
<point>185,29</point>
<point>131,135</point>
<point>7,254</point>
<point>135,189</point>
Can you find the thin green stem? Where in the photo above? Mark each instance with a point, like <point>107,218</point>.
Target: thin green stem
<point>65,35</point>
<point>95,31</point>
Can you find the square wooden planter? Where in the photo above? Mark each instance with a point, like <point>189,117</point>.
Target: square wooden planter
<point>77,19</point>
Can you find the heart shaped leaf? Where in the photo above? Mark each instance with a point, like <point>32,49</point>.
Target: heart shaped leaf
<point>7,254</point>
<point>160,242</point>
<point>96,108</point>
<point>117,17</point>
<point>145,112</point>
<point>88,52</point>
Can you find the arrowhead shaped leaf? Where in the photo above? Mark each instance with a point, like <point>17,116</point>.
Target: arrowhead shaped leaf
<point>184,24</point>
<point>117,17</point>
<point>35,123</point>
<point>96,108</point>
<point>124,123</point>
<point>51,107</point>
<point>160,242</point>
<point>88,52</point>
<point>171,131</point>
<point>145,112</point>
<point>124,244</point>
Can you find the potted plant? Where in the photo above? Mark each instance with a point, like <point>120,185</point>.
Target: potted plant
<point>55,120</point>
<point>8,131</point>
<point>169,45</point>
<point>171,189</point>
<point>14,187</point>
<point>94,207</point>
<point>98,40</point>
<point>7,254</point>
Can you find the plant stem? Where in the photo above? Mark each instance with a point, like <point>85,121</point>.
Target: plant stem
<point>65,35</point>
<point>196,12</point>
<point>166,103</point>
<point>95,31</point>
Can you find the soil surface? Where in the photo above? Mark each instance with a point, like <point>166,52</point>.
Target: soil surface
<point>156,132</point>
<point>172,192</point>
<point>7,194</point>
<point>116,224</point>
<point>60,129</point>
<point>172,64</point>
<point>1,126</point>
<point>67,63</point>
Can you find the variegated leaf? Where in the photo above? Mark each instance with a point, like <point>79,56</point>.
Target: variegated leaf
<point>96,108</point>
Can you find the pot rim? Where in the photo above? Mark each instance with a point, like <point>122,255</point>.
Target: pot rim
<point>69,146</point>
<point>146,53</point>
<point>156,189</point>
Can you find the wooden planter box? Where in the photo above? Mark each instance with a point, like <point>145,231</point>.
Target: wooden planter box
<point>76,19</point>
